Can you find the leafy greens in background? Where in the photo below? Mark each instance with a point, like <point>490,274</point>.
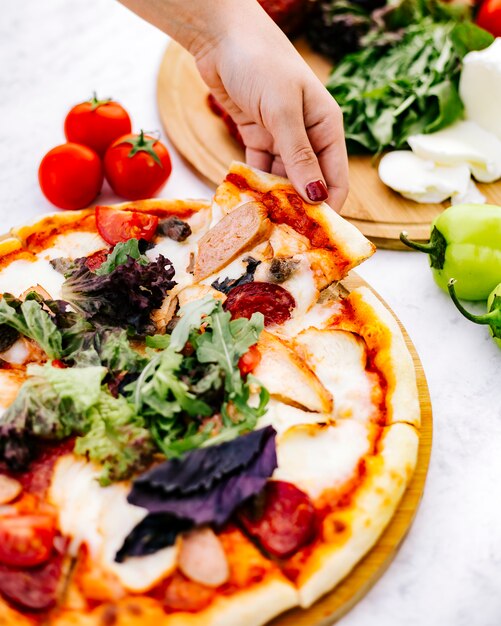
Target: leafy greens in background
<point>339,27</point>
<point>409,86</point>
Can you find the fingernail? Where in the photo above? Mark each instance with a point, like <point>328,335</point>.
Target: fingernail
<point>317,191</point>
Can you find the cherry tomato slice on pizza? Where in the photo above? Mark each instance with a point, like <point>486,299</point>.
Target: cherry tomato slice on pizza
<point>248,362</point>
<point>26,540</point>
<point>282,519</point>
<point>97,123</point>
<point>137,166</point>
<point>71,176</point>
<point>115,226</point>
<point>273,301</point>
<point>95,260</point>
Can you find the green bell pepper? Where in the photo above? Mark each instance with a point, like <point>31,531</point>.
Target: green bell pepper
<point>493,315</point>
<point>465,244</point>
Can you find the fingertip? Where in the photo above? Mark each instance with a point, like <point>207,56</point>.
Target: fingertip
<point>316,191</point>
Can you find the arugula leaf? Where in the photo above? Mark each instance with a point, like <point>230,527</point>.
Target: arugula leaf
<point>191,317</point>
<point>227,342</point>
<point>116,438</point>
<point>467,36</point>
<point>120,253</point>
<point>31,321</point>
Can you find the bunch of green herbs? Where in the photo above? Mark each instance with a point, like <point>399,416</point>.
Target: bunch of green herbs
<point>408,86</point>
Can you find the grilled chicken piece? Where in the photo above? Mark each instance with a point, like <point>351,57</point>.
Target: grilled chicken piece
<point>287,376</point>
<point>240,230</point>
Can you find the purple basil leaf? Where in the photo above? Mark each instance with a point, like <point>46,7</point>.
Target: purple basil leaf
<point>230,474</point>
<point>153,533</point>
<point>200,469</point>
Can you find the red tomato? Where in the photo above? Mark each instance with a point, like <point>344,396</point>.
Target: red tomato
<point>58,364</point>
<point>489,16</point>
<point>114,225</point>
<point>137,166</point>
<point>71,176</point>
<point>26,540</point>
<point>95,260</point>
<point>97,123</point>
<point>249,361</point>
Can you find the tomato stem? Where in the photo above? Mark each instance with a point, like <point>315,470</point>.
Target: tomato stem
<point>95,102</point>
<point>139,143</point>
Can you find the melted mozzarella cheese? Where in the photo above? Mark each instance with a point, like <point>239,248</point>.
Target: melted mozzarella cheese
<point>73,245</point>
<point>21,275</point>
<point>17,354</point>
<point>317,317</point>
<point>316,458</point>
<point>180,253</point>
<point>101,518</point>
<point>283,416</point>
<point>339,358</point>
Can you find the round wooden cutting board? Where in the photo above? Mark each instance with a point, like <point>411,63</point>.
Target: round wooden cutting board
<point>202,138</point>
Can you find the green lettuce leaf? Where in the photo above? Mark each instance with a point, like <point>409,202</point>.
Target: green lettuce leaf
<point>81,385</point>
<point>116,439</point>
<point>119,255</point>
<point>31,321</point>
<point>51,405</point>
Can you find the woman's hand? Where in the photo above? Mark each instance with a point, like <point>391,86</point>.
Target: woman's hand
<point>289,122</point>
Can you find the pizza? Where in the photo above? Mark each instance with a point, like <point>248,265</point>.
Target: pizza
<point>198,424</point>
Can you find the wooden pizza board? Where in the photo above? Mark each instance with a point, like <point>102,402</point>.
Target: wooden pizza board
<point>202,138</point>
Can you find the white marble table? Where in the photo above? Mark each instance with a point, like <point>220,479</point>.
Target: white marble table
<point>53,54</point>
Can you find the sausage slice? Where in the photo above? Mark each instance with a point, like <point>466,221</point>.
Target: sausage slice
<point>240,230</point>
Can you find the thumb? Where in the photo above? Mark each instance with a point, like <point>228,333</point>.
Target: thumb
<point>300,161</point>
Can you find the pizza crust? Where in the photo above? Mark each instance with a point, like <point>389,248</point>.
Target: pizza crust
<point>251,607</point>
<point>349,533</point>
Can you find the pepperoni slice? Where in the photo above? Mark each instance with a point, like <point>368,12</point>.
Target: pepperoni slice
<point>273,301</point>
<point>34,589</point>
<point>282,519</point>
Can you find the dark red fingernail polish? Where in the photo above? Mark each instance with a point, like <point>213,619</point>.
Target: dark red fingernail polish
<point>317,191</point>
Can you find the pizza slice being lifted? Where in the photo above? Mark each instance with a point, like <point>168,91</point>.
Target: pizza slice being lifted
<point>198,426</point>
